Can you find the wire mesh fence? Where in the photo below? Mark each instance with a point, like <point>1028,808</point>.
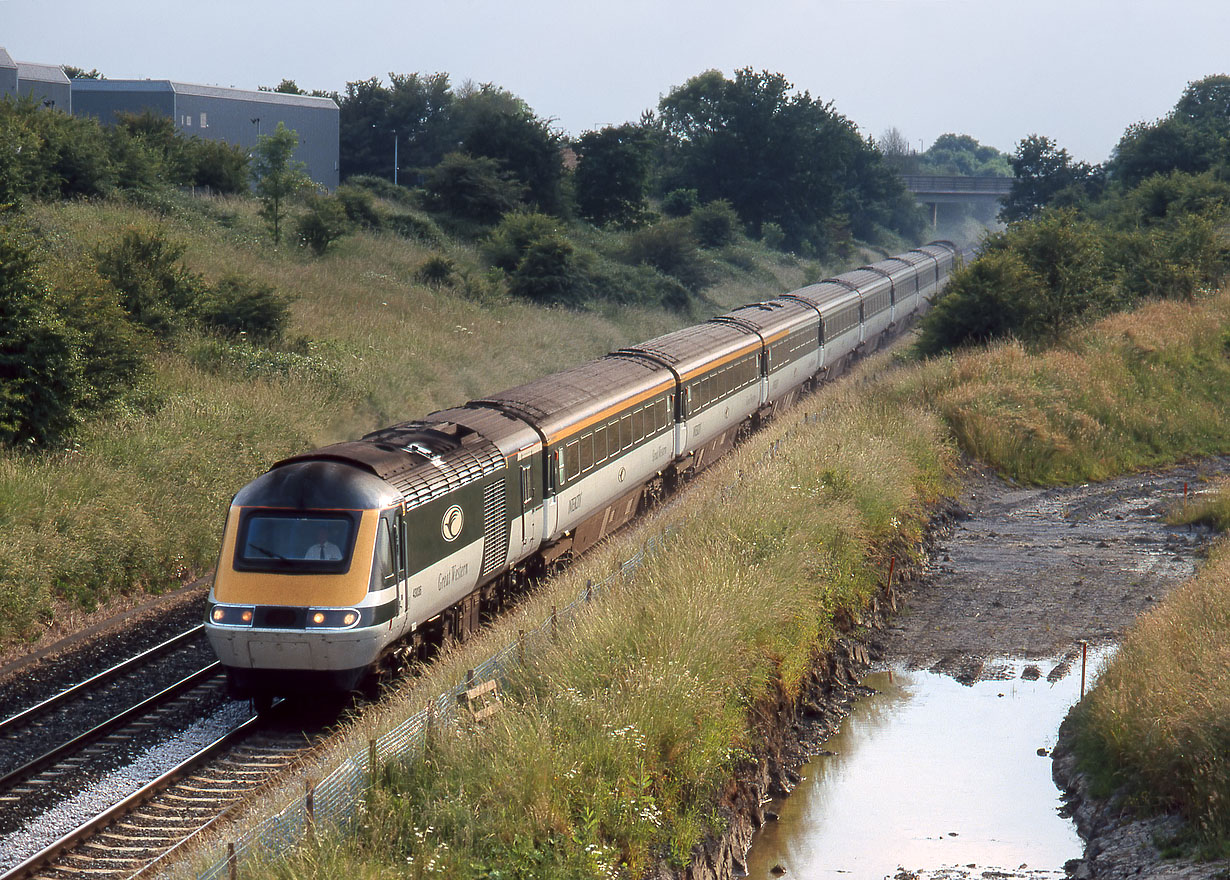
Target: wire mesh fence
<point>335,800</point>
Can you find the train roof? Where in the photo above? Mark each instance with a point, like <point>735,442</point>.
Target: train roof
<point>771,319</point>
<point>825,296</point>
<point>420,459</point>
<point>307,484</point>
<point>560,403</point>
<point>867,281</point>
<point>693,349</point>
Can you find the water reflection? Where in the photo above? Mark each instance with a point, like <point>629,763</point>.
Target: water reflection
<point>930,773</point>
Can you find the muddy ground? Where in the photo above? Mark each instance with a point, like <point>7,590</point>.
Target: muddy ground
<point>1032,572</point>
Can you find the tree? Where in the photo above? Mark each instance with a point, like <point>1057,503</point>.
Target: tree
<point>894,146</point>
<point>1043,170</point>
<point>612,176</point>
<point>278,177</point>
<point>776,155</point>
<point>962,154</point>
<point>414,111</point>
<point>323,223</point>
<point>78,73</point>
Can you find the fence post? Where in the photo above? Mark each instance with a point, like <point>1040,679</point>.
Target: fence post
<point>521,646</point>
<point>232,864</point>
<point>309,807</point>
<point>371,760</point>
<point>589,589</point>
<point>554,625</point>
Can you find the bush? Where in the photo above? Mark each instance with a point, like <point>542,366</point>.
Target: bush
<point>437,271</point>
<point>156,289</point>
<point>772,236</point>
<point>239,306</point>
<point>360,206</point>
<point>508,242</point>
<point>220,166</point>
<point>671,248</point>
<point>41,382</point>
<point>472,188</point>
<point>416,226</point>
<point>680,202</point>
<point>323,223</point>
<point>550,272</point>
<point>715,225</point>
<point>381,188</point>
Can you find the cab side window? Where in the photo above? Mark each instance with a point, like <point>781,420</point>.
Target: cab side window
<point>386,554</point>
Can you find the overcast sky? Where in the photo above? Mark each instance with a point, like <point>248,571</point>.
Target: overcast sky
<point>1075,70</point>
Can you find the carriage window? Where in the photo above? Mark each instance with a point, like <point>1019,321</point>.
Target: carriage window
<point>572,457</point>
<point>587,452</point>
<point>625,430</point>
<point>638,424</point>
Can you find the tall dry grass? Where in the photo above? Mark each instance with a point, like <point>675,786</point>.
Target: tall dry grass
<point>1158,722</point>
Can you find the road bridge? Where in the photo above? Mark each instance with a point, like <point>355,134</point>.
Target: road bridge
<point>937,189</point>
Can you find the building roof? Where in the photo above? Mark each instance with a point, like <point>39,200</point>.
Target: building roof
<point>48,73</point>
<point>166,85</point>
<point>6,60</point>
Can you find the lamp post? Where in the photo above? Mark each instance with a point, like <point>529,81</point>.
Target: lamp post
<point>256,120</point>
<point>393,131</point>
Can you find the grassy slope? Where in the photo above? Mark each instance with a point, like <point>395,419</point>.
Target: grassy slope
<point>137,501</point>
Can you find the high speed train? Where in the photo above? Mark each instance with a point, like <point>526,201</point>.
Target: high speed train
<point>337,560</point>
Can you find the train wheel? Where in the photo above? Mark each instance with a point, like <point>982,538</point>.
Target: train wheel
<point>262,703</point>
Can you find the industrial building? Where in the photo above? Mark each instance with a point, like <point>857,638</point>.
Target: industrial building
<point>236,116</point>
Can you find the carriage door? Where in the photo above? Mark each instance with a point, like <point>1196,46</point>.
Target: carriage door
<point>530,478</point>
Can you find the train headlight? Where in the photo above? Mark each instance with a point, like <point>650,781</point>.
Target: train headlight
<point>333,618</point>
<point>231,615</point>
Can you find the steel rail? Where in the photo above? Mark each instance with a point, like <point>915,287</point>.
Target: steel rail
<point>189,681</point>
<point>128,804</point>
<point>94,680</point>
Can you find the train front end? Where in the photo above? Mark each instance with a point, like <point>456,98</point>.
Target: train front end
<point>301,601</point>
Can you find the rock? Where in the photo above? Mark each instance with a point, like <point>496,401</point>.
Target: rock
<point>1042,753</point>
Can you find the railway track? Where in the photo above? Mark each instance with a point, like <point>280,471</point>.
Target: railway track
<point>105,776</point>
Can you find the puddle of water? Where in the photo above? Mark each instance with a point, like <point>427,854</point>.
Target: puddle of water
<point>929,773</point>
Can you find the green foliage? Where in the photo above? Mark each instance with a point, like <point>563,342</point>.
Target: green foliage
<point>1034,281</point>
<point>778,156</point>
<point>962,155</point>
<point>384,189</point>
<point>1045,174</point>
<point>156,289</point>
<point>414,225</point>
<point>551,272</point>
<point>278,176</point>
<point>508,242</point>
<point>472,188</point>
<point>680,202</point>
<point>772,236</point>
<point>437,270</point>
<point>360,206</point>
<point>323,222</point>
<point>1190,139</point>
<point>41,382</point>
<point>671,248</point>
<point>238,306</point>
<point>220,166</point>
<point>716,224</point>
<point>612,178</point>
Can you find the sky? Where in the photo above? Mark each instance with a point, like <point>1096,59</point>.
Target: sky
<point>1076,71</point>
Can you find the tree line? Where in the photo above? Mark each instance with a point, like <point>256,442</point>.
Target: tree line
<point>1085,240</point>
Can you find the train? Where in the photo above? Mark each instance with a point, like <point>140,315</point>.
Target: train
<point>342,562</point>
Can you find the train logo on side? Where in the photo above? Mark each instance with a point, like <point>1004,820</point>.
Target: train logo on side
<point>452,523</point>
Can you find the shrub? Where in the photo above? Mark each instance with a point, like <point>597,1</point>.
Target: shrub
<point>472,188</point>
<point>680,202</point>
<point>772,235</point>
<point>323,223</point>
<point>716,224</point>
<point>220,166</point>
<point>417,226</point>
<point>240,306</point>
<point>550,272</point>
<point>360,206</point>
<point>381,188</point>
<point>437,271</point>
<point>41,382</point>
<point>670,248</point>
<point>156,289</point>
<point>508,242</point>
